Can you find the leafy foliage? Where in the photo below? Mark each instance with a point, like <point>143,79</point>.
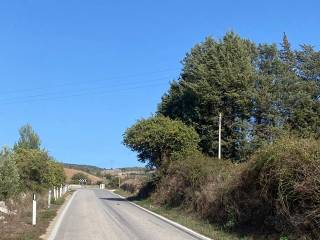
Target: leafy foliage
<point>37,169</point>
<point>260,90</point>
<point>28,167</point>
<point>185,178</point>
<point>269,97</point>
<point>277,188</point>
<point>159,139</point>
<point>9,176</point>
<point>29,139</point>
<point>216,77</point>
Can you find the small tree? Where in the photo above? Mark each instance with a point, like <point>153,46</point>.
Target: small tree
<point>55,176</point>
<point>9,176</point>
<point>77,176</point>
<point>29,139</point>
<point>159,139</point>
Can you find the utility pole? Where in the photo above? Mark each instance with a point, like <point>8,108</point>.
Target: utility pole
<point>219,150</point>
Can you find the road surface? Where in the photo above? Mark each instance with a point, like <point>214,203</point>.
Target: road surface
<point>96,214</point>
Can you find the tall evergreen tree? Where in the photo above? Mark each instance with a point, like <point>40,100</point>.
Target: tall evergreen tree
<point>29,139</point>
<point>286,54</point>
<point>266,117</point>
<point>217,76</point>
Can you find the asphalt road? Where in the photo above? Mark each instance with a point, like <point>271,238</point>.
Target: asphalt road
<point>100,215</point>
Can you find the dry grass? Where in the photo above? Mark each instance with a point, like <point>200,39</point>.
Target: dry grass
<point>70,172</point>
<point>19,226</point>
<point>278,190</point>
<point>275,193</point>
<point>132,185</point>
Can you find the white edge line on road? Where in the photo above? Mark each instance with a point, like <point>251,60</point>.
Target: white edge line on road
<point>179,226</point>
<point>60,218</point>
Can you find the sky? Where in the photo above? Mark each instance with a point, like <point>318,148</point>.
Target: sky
<point>81,72</point>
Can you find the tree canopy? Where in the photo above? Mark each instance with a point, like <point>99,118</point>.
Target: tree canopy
<point>159,138</point>
<point>27,166</point>
<point>9,175</point>
<point>29,139</point>
<point>260,90</point>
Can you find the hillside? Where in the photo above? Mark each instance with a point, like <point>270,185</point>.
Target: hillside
<point>94,170</point>
<point>70,172</point>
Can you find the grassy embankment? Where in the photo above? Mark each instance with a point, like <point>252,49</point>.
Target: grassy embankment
<point>19,226</point>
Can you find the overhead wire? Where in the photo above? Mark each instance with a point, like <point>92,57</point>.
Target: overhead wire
<point>77,83</point>
<point>119,87</point>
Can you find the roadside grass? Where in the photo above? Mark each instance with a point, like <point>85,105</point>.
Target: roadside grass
<point>186,219</point>
<point>20,227</point>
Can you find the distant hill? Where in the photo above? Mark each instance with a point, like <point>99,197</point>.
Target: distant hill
<point>70,172</point>
<point>97,171</point>
<point>86,168</point>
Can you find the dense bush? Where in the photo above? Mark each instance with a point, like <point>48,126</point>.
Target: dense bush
<point>27,166</point>
<point>9,176</point>
<point>37,169</point>
<point>185,177</point>
<point>131,185</point>
<point>75,179</point>
<point>278,188</point>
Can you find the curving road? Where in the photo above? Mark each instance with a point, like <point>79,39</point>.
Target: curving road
<point>97,214</point>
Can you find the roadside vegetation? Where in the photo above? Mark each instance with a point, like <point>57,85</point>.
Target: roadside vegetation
<point>267,184</point>
<point>26,169</point>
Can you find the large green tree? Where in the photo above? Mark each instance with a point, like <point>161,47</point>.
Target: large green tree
<point>217,76</point>
<point>261,91</point>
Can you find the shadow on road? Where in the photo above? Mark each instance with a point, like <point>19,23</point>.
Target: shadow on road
<point>114,199</point>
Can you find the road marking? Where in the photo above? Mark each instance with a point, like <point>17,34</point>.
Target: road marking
<point>177,225</point>
<point>60,218</point>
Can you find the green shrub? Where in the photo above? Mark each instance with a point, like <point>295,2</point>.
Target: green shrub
<point>9,176</point>
<point>111,181</point>
<point>182,183</point>
<point>75,179</point>
<point>278,188</point>
<point>37,169</point>
<point>159,139</point>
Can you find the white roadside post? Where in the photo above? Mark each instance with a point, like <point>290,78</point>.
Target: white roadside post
<point>54,193</point>
<point>219,149</point>
<point>60,191</point>
<point>34,210</point>
<point>49,198</point>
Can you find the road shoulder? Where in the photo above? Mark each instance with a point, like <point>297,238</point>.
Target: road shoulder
<point>173,223</point>
<point>55,223</point>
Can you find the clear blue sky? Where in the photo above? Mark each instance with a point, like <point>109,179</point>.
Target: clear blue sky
<point>81,72</point>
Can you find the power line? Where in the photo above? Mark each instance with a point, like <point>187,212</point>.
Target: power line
<point>75,83</point>
<point>80,91</point>
<point>46,98</point>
